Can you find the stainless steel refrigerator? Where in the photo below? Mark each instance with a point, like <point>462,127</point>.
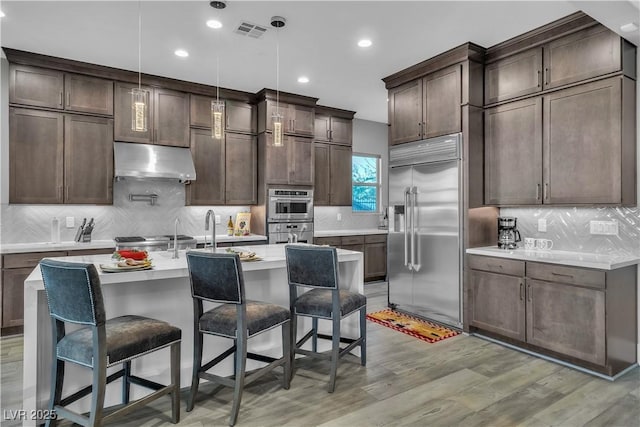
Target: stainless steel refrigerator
<point>425,235</point>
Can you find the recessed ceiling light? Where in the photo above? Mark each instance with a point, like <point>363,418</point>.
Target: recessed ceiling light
<point>181,53</point>
<point>627,28</point>
<point>1,14</point>
<point>364,43</point>
<point>212,23</point>
<point>303,79</point>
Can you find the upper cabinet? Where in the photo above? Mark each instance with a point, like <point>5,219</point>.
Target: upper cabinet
<point>332,179</point>
<point>426,107</point>
<point>333,126</point>
<point>168,116</point>
<point>592,52</point>
<point>296,119</point>
<point>240,117</point>
<point>41,87</point>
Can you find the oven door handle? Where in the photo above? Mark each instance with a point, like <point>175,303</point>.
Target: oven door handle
<point>280,199</point>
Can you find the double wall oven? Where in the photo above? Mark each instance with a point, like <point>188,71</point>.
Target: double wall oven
<point>290,215</point>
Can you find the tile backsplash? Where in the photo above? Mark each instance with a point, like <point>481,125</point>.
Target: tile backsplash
<point>326,218</point>
<point>569,228</point>
<point>32,223</point>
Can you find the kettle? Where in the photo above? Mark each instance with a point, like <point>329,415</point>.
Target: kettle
<point>508,234</point>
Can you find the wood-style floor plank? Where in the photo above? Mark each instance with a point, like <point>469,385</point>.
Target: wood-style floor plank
<point>461,381</point>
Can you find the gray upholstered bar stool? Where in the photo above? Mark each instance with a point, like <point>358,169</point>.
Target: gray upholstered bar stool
<point>317,268</point>
<point>218,278</point>
<point>74,295</point>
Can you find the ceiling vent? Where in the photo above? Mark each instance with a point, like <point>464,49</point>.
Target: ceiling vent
<point>252,30</point>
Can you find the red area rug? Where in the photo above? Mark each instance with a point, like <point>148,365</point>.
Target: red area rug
<point>414,326</point>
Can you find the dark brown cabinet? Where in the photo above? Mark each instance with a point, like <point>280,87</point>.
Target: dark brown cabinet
<point>578,140</point>
<point>582,315</point>
<point>168,116</point>
<point>514,76</point>
<point>373,247</point>
<point>296,119</point>
<point>332,176</point>
<point>333,129</point>
<point>427,107</point>
<point>292,163</point>
<point>239,116</point>
<point>41,87</point>
<point>226,169</point>
<point>73,154</point>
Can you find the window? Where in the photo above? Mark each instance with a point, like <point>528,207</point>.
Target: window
<point>365,175</point>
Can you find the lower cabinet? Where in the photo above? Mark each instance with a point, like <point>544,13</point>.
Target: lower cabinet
<point>15,270</point>
<point>374,248</point>
<point>584,316</point>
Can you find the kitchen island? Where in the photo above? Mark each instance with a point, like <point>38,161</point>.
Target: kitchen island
<point>164,293</point>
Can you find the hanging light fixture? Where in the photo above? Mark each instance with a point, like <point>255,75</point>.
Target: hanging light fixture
<point>278,131</point>
<point>217,108</point>
<point>139,96</point>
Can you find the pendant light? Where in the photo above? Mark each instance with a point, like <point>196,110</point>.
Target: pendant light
<point>139,96</point>
<point>278,131</point>
<point>217,106</point>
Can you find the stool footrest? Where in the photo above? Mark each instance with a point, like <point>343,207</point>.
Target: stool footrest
<point>87,390</point>
<point>218,359</point>
<point>145,383</point>
<point>342,339</point>
<point>261,358</point>
<point>139,403</point>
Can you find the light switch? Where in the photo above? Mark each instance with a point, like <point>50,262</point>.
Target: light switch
<point>217,219</point>
<point>70,222</point>
<point>339,217</point>
<point>542,225</point>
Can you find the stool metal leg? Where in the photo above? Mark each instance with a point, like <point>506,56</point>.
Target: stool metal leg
<point>241,362</point>
<point>175,381</point>
<point>57,370</point>
<point>197,363</point>
<point>363,335</point>
<point>126,382</point>
<point>294,338</point>
<point>99,383</point>
<point>314,338</point>
<point>286,354</point>
<point>335,352</point>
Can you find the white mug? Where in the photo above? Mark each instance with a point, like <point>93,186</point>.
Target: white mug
<point>529,243</point>
<point>544,244</point>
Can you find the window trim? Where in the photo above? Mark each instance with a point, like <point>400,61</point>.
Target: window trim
<point>377,184</point>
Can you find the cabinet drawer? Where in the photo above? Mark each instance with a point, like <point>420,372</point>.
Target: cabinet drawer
<point>330,241</point>
<point>564,274</point>
<point>497,265</point>
<point>29,259</point>
<point>352,240</point>
<point>375,238</point>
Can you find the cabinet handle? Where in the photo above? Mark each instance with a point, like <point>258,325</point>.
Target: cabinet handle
<point>419,128</point>
<point>521,291</point>
<point>569,276</point>
<point>539,78</point>
<point>529,293</point>
<point>331,134</point>
<point>538,191</point>
<point>546,76</point>
<point>66,192</point>
<point>60,103</point>
<point>68,98</point>
<point>60,192</point>
<point>546,191</point>
<point>328,136</point>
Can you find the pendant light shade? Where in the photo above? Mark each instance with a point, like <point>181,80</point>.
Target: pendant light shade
<point>139,96</point>
<point>217,119</point>
<point>278,130</point>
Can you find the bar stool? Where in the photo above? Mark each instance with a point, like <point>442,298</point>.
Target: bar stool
<point>218,278</point>
<point>74,296</point>
<point>317,268</point>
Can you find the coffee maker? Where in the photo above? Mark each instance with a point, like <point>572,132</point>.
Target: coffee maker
<point>508,234</point>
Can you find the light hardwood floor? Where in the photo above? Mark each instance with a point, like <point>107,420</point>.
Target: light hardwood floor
<point>461,381</point>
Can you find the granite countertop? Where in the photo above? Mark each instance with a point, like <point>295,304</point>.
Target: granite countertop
<point>350,232</point>
<point>576,259</point>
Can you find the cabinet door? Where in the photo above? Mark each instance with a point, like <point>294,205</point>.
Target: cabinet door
<point>514,76</point>
<point>301,120</point>
<point>171,118</point>
<point>241,167</point>
<point>276,161</point>
<point>405,113</point>
<point>582,144</point>
<point>88,94</point>
<point>122,115</point>
<point>341,131</point>
<point>375,260</point>
<point>36,147</point>
<point>35,86</point>
<point>322,175</point>
<point>322,128</point>
<point>497,304</point>
<point>200,111</point>
<point>582,55</point>
<point>340,167</point>
<point>301,161</point>
<point>442,92</point>
<point>88,160</point>
<point>567,319</point>
<point>209,161</point>
<point>513,153</point>
<point>13,296</point>
<point>241,117</point>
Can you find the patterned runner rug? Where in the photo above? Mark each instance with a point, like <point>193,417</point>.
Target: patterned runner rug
<point>414,326</point>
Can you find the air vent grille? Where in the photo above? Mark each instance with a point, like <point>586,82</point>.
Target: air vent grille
<point>252,30</point>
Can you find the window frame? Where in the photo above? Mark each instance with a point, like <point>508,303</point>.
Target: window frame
<point>377,184</point>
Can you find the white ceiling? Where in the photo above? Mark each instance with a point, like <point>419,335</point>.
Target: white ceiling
<point>319,40</point>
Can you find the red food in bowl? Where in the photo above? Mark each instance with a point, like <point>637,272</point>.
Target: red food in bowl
<point>137,255</point>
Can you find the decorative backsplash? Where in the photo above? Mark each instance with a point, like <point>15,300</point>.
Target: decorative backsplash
<point>569,228</point>
<point>32,223</point>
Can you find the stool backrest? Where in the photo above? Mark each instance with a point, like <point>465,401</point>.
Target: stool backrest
<point>312,266</point>
<point>73,292</point>
<point>216,277</point>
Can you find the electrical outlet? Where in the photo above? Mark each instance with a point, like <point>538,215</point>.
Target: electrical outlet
<point>71,222</point>
<point>339,217</point>
<point>542,225</point>
<point>217,219</point>
<point>604,227</point>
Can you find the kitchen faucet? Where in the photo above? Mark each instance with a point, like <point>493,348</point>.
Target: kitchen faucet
<point>210,217</point>
<point>175,240</point>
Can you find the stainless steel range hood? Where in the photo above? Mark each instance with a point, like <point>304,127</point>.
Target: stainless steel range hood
<point>153,161</point>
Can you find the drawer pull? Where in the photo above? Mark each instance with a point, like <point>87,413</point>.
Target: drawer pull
<point>530,293</point>
<point>562,275</point>
<point>521,291</point>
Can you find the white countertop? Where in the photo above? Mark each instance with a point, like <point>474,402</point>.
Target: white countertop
<point>576,259</point>
<point>223,238</point>
<point>351,232</point>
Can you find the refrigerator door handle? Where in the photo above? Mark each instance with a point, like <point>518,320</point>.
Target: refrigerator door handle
<point>414,264</point>
<point>407,217</point>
